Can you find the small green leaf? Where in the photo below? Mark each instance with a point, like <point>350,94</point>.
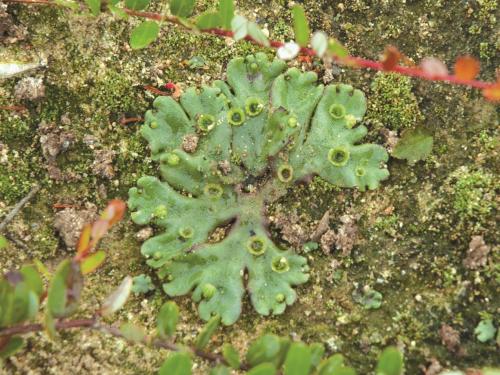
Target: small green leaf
<point>117,299</point>
<point>263,369</point>
<point>144,34</point>
<point>319,43</point>
<point>226,12</point>
<point>92,262</point>
<point>285,344</point>
<point>337,49</point>
<point>208,20</point>
<point>490,371</point>
<point>176,364</point>
<point>371,299</point>
<point>257,34</point>
<point>26,303</point>
<point>485,330</point>
<point>310,246</point>
<point>6,297</point>
<point>239,26</point>
<point>142,284</point>
<point>42,269</point>
<point>32,278</point>
<point>264,349</point>
<point>18,299</point>
<point>65,289</point>
<point>390,362</point>
<point>331,364</point>
<point>414,145</point>
<point>49,324</point>
<point>207,332</point>
<point>57,292</point>
<point>137,4</point>
<point>231,355</point>
<point>3,242</point>
<point>13,345</point>
<point>298,360</point>
<point>68,4</point>
<point>317,352</point>
<point>132,332</point>
<point>300,26</point>
<point>196,62</point>
<point>118,12</point>
<point>220,370</point>
<point>182,8</point>
<point>167,319</point>
<point>94,6</point>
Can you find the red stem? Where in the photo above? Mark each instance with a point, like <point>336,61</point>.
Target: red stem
<point>357,61</point>
<point>418,73</point>
<point>96,325</point>
<point>126,121</point>
<point>36,327</point>
<point>350,60</point>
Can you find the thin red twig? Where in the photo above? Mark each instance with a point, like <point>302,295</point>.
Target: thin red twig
<point>350,60</point>
<point>61,206</point>
<point>126,121</point>
<point>156,91</point>
<point>96,325</point>
<point>418,73</point>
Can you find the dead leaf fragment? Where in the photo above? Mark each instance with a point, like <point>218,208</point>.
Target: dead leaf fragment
<point>450,337</point>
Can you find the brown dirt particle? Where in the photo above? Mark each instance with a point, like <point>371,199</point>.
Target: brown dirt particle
<point>190,143</point>
<point>391,138</point>
<point>347,234</point>
<point>103,163</point>
<point>450,338</point>
<point>434,368</point>
<point>144,234</point>
<point>10,32</point>
<point>323,226</point>
<point>291,230</point>
<point>53,142</point>
<point>477,255</point>
<point>69,222</point>
<point>224,167</point>
<point>29,88</point>
<point>327,240</point>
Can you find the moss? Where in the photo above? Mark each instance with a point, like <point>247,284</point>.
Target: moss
<point>19,162</point>
<point>41,232</point>
<point>15,131</point>
<point>282,30</point>
<point>110,96</point>
<point>485,15</point>
<point>473,193</point>
<point>485,52</point>
<point>392,103</point>
<point>131,163</point>
<point>15,182</point>
<point>388,224</point>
